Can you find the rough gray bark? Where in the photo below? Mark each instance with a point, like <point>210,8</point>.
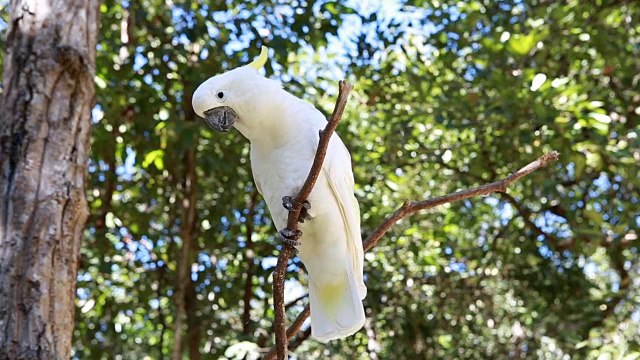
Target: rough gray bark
<point>45,124</point>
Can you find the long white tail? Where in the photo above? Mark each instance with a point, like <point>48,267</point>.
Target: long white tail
<point>336,306</point>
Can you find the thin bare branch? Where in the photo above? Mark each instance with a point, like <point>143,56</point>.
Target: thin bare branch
<point>411,207</point>
<point>300,339</point>
<point>295,301</point>
<point>280,271</point>
<point>297,324</point>
<point>291,331</point>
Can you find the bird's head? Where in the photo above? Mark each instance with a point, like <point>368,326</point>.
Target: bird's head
<point>227,99</point>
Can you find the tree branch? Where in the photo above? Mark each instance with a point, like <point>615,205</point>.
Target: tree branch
<point>300,339</point>
<point>291,331</point>
<point>280,271</point>
<point>410,207</point>
<point>295,301</point>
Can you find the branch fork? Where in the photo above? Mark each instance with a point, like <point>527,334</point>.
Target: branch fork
<point>284,335</point>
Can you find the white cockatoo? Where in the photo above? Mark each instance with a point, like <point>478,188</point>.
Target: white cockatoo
<point>284,134</point>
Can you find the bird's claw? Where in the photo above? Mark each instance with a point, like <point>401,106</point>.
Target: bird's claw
<point>304,212</point>
<point>289,237</point>
<point>287,202</point>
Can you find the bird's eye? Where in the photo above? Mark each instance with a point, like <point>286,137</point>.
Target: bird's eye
<point>220,95</point>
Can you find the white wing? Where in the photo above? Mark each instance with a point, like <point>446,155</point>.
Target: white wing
<point>337,169</point>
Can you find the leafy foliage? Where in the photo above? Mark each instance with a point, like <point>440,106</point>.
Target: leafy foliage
<point>448,95</point>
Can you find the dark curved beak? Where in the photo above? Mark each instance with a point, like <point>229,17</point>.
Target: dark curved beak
<point>220,118</point>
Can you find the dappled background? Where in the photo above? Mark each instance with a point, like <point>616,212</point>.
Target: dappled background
<point>448,95</point>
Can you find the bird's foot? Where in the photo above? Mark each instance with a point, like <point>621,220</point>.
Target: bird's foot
<point>289,237</point>
<point>287,202</point>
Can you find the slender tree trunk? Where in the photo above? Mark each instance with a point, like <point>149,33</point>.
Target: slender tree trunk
<point>187,231</point>
<point>184,263</point>
<point>248,283</point>
<point>45,123</point>
<point>194,330</point>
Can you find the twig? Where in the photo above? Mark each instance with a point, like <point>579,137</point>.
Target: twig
<point>410,207</point>
<point>280,271</point>
<point>297,324</point>
<point>295,301</point>
<point>291,331</point>
<point>300,339</point>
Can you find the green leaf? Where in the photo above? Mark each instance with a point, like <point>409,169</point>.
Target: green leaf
<point>445,341</point>
<point>154,157</point>
<point>521,44</point>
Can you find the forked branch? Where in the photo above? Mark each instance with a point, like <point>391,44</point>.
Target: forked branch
<point>410,207</point>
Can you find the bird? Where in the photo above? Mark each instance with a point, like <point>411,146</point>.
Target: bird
<point>283,131</point>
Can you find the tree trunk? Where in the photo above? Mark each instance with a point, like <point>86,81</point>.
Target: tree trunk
<point>248,282</point>
<point>45,123</point>
<point>194,330</point>
<point>188,225</point>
